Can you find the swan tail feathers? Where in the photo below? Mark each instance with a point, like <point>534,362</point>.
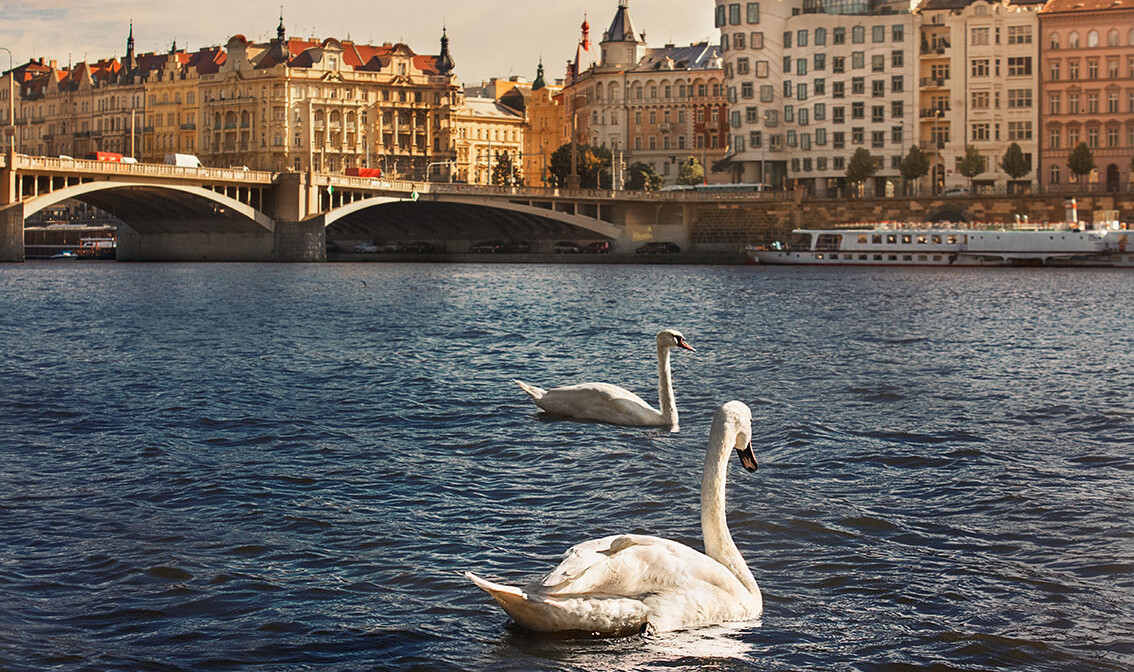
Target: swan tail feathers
<point>592,615</point>
<point>534,392</point>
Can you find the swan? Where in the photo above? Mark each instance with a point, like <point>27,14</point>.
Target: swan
<point>630,583</point>
<point>613,404</point>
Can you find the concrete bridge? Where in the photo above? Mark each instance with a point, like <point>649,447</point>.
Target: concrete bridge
<point>176,213</point>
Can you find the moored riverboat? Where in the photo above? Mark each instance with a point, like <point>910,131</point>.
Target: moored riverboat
<point>904,244</point>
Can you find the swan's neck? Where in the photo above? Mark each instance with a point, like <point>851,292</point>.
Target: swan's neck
<point>666,401</point>
<point>714,528</point>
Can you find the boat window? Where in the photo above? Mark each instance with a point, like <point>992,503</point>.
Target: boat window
<point>828,241</point>
<point>863,257</point>
<point>892,257</point>
<point>878,257</point>
<point>819,256</point>
<point>951,240</point>
<point>834,256</point>
<point>922,239</point>
<point>891,238</point>
<point>877,239</point>
<point>906,238</point>
<point>936,239</point>
<point>937,257</point>
<point>907,257</point>
<point>922,257</point>
<point>862,239</point>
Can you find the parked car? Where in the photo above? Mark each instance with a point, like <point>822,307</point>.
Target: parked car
<point>366,246</point>
<point>392,246</point>
<point>597,247</point>
<point>517,246</point>
<point>567,247</point>
<point>957,191</point>
<point>658,248</point>
<point>488,247</point>
<point>418,247</point>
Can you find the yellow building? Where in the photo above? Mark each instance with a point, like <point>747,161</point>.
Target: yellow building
<point>544,130</point>
<point>486,128</point>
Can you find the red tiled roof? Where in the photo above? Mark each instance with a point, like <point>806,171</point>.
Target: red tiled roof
<point>1058,6</point>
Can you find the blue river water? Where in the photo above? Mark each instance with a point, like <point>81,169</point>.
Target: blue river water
<point>287,467</point>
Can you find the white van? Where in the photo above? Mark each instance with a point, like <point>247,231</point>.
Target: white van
<point>182,160</point>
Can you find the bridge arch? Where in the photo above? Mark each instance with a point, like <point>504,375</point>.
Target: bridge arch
<point>158,196</point>
<point>597,226</point>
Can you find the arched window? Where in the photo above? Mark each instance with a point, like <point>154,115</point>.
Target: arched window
<point>1112,38</point>
<point>1093,38</point>
<point>1073,40</point>
<point>1054,40</point>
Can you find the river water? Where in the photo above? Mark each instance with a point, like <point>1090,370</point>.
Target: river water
<point>286,467</point>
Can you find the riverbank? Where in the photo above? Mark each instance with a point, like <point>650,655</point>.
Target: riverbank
<point>692,258</point>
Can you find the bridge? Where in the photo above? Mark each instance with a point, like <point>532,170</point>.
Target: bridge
<point>235,214</point>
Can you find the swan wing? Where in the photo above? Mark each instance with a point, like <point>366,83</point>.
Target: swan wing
<point>599,401</point>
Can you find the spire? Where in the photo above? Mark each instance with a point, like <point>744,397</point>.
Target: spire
<point>281,34</point>
<point>130,40</point>
<point>279,52</point>
<point>173,49</point>
<point>539,83</point>
<point>445,62</point>
<point>621,28</point>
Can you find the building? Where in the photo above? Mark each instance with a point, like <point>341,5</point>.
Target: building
<point>544,129</point>
<point>811,81</point>
<point>1087,89</point>
<point>485,129</point>
<point>978,87</point>
<point>657,106</point>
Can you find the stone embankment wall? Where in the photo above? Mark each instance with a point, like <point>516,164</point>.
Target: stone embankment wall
<point>760,222</point>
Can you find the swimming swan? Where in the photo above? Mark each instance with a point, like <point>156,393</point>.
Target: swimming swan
<point>625,584</point>
<point>613,404</point>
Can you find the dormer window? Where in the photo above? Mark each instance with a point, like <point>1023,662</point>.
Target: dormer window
<point>333,63</point>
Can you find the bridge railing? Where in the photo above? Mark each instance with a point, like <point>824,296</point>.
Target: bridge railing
<point>604,194</point>
<point>53,163</point>
<point>367,183</point>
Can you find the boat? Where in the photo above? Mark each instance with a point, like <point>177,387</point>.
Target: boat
<point>64,254</point>
<point>925,244</point>
<point>98,248</point>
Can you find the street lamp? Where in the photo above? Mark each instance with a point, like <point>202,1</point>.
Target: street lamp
<point>11,98</point>
<point>938,146</point>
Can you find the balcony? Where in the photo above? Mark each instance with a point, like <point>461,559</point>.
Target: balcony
<point>933,82</point>
<point>932,145</point>
<point>934,112</point>
<point>665,127</point>
<point>188,127</point>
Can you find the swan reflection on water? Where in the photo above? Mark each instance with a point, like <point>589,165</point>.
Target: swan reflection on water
<point>716,647</point>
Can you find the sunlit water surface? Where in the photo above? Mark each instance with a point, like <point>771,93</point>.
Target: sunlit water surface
<point>286,467</point>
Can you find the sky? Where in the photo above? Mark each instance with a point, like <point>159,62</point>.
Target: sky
<point>487,38</point>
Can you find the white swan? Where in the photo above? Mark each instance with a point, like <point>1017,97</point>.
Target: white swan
<point>613,404</point>
<point>624,584</point>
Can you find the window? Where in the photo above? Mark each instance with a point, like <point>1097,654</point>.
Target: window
<point>755,139</point>
<point>1054,71</point>
<point>1019,98</point>
<point>756,40</point>
<point>897,58</point>
<point>737,41</point>
<point>858,85</point>
<point>1053,138</point>
<point>821,140</point>
<point>1019,130</point>
<point>877,139</point>
<point>820,86</point>
<point>801,66</point>
<point>820,37</point>
<point>878,113</point>
<point>877,63</point>
<point>979,100</point>
<point>858,135</point>
<point>839,64</point>
<point>1054,103</point>
<point>878,88</point>
<point>837,89</point>
<point>1019,34</point>
<point>801,38</point>
<point>858,60</point>
<point>1073,40</point>
<point>980,131</point>
<point>877,34</point>
<point>838,141</point>
<point>767,93</point>
<point>1073,69</point>
<point>897,84</point>
<point>858,34</point>
<point>896,109</point>
<point>980,67</point>
<point>762,69</point>
<point>787,39</point>
<point>897,33</point>
<point>839,35</point>
<point>801,92</point>
<point>858,110</point>
<point>896,135</point>
<point>747,90</point>
<point>753,12</point>
<point>742,67</point>
<point>734,14</point>
<point>820,111</point>
<point>801,116</point>
<point>979,37</point>
<point>1093,39</point>
<point>1073,103</point>
<point>1092,102</point>
<point>838,114</point>
<point>1055,173</point>
<point>820,61</point>
<point>1019,66</point>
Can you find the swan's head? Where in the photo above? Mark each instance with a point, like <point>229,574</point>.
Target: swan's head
<point>670,338</point>
<point>735,418</point>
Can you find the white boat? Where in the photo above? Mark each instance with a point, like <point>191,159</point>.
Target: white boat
<point>951,245</point>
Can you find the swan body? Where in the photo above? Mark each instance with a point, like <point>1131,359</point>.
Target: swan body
<point>624,584</point>
<point>609,403</point>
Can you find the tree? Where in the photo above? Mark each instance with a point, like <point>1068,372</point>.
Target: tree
<point>591,161</point>
<point>1081,161</point>
<point>860,167</point>
<point>915,165</point>
<point>691,172</point>
<point>971,165</point>
<point>642,177</point>
<point>1014,163</point>
<point>504,171</point>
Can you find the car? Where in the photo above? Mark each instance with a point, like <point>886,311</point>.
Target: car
<point>658,248</point>
<point>418,247</point>
<point>521,246</point>
<point>366,246</point>
<point>957,191</point>
<point>392,246</point>
<point>487,247</point>
<point>566,246</point>
<point>597,247</point>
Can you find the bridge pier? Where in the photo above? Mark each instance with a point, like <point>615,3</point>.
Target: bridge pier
<point>300,241</point>
<point>12,232</point>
